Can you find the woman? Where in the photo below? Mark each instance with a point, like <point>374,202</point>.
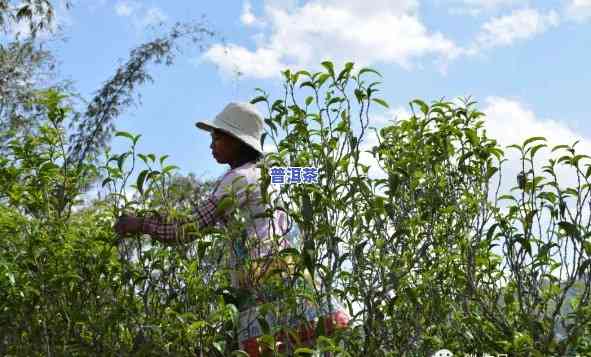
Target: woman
<point>236,140</point>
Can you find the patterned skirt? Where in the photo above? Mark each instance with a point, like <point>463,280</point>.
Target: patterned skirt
<point>293,322</point>
<point>278,308</point>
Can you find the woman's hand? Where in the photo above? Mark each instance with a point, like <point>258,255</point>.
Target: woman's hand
<point>127,224</point>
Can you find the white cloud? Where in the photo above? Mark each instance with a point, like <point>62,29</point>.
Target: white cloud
<point>478,7</point>
<point>247,17</point>
<point>400,113</point>
<point>392,115</point>
<point>489,4</point>
<point>141,17</point>
<point>233,59</point>
<point>125,8</point>
<point>579,10</point>
<point>504,113</point>
<point>370,32</point>
<point>153,16</point>
<point>371,7</point>
<point>519,25</point>
<point>511,122</point>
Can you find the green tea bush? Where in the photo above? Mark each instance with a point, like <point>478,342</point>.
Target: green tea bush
<point>425,256</point>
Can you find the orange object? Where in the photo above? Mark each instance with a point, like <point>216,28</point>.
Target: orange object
<point>338,320</point>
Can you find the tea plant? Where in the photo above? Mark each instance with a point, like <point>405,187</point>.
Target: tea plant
<point>426,254</point>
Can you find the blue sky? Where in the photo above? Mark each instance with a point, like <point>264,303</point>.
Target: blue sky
<point>525,62</point>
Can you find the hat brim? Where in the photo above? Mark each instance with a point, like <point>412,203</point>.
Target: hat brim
<point>205,126</point>
<point>210,128</point>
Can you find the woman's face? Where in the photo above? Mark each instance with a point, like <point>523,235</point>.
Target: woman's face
<point>224,148</point>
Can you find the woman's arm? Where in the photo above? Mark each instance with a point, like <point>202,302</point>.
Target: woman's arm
<point>233,184</point>
<point>181,231</point>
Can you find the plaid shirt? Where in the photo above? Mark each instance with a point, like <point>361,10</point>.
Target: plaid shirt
<point>203,216</point>
<point>262,232</point>
<point>174,232</point>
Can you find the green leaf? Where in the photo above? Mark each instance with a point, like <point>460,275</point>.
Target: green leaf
<point>219,346</point>
<point>169,168</point>
<point>164,157</point>
<point>515,146</point>
<point>321,79</point>
<point>264,327</point>
<point>491,171</point>
<point>369,70</point>
<point>121,160</point>
<point>329,67</point>
<point>224,204</point>
<point>422,105</point>
<point>587,263</point>
<point>472,136</point>
<point>536,148</point>
<point>143,157</point>
<point>258,99</point>
<point>307,211</point>
<point>334,101</point>
<point>257,89</point>
<point>578,158</point>
<point>140,181</point>
<point>345,72</point>
<point>263,139</point>
<point>320,331</point>
<point>557,147</point>
<point>197,325</point>
<point>11,278</point>
<point>569,228</point>
<point>360,95</point>
<point>548,196</point>
<point>286,74</point>
<point>304,351</point>
<point>24,12</point>
<point>532,139</point>
<point>202,248</point>
<point>125,134</point>
<point>381,102</point>
<point>491,232</point>
<point>294,78</point>
<point>308,84</point>
<point>153,174</point>
<point>564,158</point>
<point>270,123</point>
<point>305,73</point>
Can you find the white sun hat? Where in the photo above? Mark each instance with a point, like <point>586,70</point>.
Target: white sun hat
<point>240,120</point>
